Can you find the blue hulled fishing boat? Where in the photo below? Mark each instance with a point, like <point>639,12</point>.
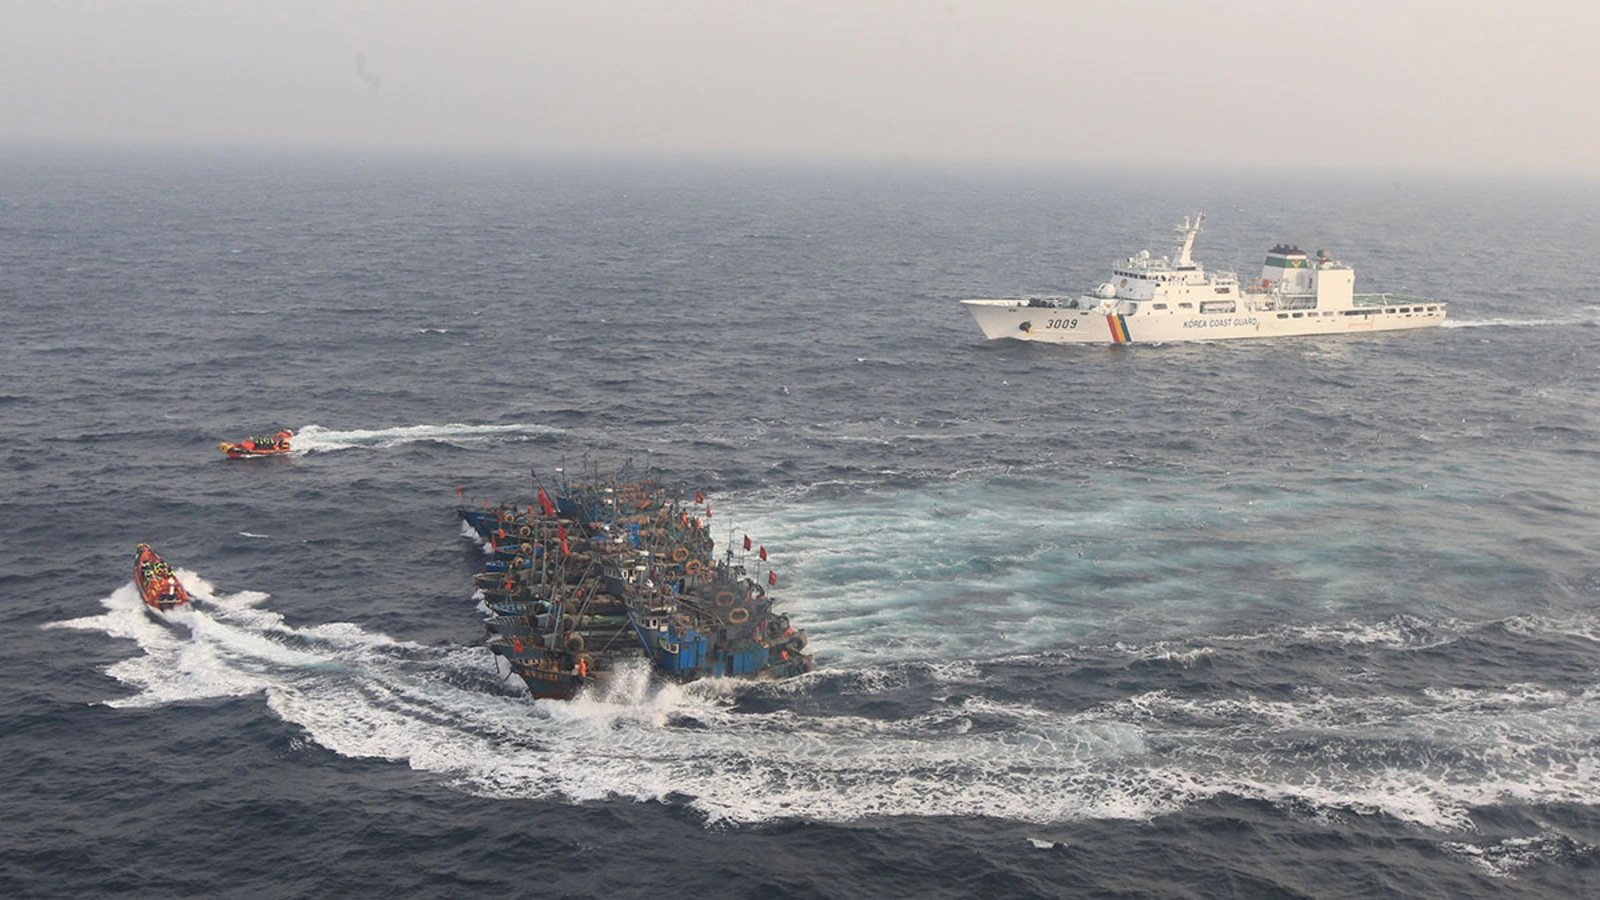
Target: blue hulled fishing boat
<point>589,577</point>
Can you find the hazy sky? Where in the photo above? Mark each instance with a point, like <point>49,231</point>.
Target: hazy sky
<point>1454,84</point>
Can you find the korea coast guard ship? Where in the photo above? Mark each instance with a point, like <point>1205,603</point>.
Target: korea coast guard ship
<point>1152,299</point>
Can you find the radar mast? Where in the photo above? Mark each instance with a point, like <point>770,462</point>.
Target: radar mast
<point>1187,231</point>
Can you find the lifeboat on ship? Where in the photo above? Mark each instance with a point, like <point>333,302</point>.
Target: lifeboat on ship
<point>157,585</point>
<point>251,447</point>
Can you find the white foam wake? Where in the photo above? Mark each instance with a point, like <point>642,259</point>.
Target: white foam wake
<point>443,710</point>
<point>317,439</point>
<point>1509,323</point>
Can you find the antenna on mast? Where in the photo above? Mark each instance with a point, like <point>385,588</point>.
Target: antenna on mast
<point>1187,231</point>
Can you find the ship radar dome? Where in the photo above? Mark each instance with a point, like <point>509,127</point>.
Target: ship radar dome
<point>1106,291</point>
<point>1143,254</point>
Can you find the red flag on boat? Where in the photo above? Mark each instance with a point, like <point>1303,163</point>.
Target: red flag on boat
<point>545,504</point>
<point>772,578</point>
<point>747,542</point>
<point>561,531</point>
<point>708,510</point>
<point>699,497</point>
<point>564,550</point>
<point>502,532</point>
<point>763,554</point>
<point>458,489</point>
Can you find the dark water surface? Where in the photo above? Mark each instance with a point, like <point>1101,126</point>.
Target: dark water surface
<point>1309,617</point>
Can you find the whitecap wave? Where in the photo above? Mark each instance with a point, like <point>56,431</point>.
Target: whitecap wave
<point>1505,858</point>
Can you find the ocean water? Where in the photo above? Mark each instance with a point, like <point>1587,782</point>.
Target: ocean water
<point>1312,617</point>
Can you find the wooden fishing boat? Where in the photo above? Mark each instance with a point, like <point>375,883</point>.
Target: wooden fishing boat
<point>601,575</point>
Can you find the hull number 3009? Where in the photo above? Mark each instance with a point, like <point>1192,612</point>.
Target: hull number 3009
<point>1061,323</point>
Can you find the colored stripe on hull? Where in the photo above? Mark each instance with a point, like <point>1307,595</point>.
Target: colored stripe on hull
<point>1119,329</point>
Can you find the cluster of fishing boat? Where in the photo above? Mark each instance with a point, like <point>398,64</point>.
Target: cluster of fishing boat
<point>602,576</point>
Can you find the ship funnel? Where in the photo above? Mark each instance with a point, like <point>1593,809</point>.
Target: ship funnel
<point>1287,266</point>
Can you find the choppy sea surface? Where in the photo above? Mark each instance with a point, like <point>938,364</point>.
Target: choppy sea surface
<point>1309,617</point>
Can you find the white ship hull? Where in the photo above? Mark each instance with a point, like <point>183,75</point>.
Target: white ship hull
<point>1162,300</point>
<point>1016,319</point>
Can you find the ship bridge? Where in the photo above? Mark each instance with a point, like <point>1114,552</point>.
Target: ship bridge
<point>1178,279</point>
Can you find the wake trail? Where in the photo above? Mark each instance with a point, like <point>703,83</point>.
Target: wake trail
<point>317,439</point>
<point>1515,323</point>
<point>448,711</point>
<point>229,645</point>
